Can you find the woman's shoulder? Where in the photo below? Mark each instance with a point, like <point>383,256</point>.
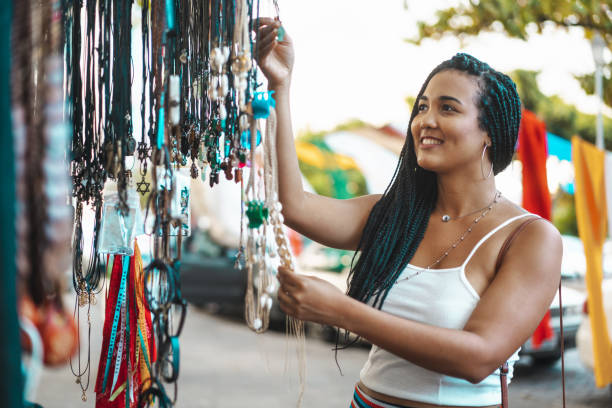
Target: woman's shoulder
<point>539,223</point>
<point>534,237</point>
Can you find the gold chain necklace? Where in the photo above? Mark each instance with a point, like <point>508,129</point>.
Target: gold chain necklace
<point>458,240</point>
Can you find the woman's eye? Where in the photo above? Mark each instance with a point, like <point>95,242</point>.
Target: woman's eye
<point>422,107</point>
<point>447,107</point>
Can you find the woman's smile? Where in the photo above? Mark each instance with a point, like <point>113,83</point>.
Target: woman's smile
<point>427,142</point>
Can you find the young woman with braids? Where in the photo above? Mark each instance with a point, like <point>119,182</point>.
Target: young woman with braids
<point>451,277</point>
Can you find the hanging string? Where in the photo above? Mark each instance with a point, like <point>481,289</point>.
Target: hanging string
<point>295,327</point>
<point>197,103</point>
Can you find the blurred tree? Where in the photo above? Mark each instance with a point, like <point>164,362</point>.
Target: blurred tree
<point>564,213</point>
<point>519,18</point>
<point>562,119</point>
<point>410,100</point>
<point>587,82</point>
<point>527,85</point>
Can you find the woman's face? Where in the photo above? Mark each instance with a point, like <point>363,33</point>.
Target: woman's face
<point>445,129</point>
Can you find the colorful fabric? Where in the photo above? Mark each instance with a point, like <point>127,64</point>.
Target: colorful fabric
<point>533,153</point>
<point>591,214</point>
<point>560,147</point>
<point>131,348</point>
<point>608,181</point>
<point>362,400</point>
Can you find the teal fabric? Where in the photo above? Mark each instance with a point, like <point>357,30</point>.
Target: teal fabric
<point>11,386</point>
<point>562,148</point>
<point>557,146</point>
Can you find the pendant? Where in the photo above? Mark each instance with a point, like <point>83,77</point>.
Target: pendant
<point>446,218</point>
<point>143,186</point>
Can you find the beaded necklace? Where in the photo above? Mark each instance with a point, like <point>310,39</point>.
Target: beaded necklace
<point>458,241</point>
<point>198,102</point>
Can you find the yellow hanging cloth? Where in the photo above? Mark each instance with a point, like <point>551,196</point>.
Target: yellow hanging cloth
<point>591,214</point>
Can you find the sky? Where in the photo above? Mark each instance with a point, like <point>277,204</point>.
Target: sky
<point>352,61</point>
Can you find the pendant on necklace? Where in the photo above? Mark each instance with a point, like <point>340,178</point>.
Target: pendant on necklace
<point>446,218</point>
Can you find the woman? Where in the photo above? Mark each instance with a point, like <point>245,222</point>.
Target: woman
<point>451,277</point>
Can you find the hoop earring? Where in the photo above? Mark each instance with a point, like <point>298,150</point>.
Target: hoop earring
<point>482,166</point>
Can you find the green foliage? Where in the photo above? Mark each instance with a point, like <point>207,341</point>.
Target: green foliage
<point>566,121</point>
<point>410,100</point>
<point>587,82</point>
<point>564,213</point>
<point>561,118</point>
<point>527,84</point>
<point>517,18</point>
<point>350,124</point>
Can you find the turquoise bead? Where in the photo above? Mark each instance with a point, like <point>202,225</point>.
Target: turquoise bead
<point>281,34</point>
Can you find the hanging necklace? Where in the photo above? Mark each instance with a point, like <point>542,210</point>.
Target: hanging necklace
<point>447,218</point>
<point>458,241</point>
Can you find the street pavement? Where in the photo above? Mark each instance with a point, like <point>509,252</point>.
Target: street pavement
<point>225,365</point>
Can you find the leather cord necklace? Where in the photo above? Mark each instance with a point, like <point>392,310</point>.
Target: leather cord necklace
<point>87,172</point>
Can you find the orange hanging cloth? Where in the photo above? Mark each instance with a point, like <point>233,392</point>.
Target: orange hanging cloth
<point>591,214</point>
<point>533,152</point>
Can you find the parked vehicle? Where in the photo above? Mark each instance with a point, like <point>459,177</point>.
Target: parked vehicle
<point>208,276</point>
<point>550,350</point>
<point>210,280</point>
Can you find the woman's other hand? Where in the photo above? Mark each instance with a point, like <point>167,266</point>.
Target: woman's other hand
<point>275,58</point>
<point>310,298</point>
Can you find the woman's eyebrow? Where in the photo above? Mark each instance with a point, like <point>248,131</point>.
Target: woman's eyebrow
<point>443,98</point>
<point>450,98</point>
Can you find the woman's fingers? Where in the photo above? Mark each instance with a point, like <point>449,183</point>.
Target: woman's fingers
<point>264,49</point>
<point>265,21</point>
<point>289,279</point>
<point>266,41</point>
<point>286,302</point>
<point>264,30</point>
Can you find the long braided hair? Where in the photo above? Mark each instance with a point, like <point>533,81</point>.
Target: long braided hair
<point>397,223</point>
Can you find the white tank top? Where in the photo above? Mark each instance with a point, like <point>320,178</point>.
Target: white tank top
<point>439,297</point>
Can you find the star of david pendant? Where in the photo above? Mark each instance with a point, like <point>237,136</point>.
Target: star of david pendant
<point>143,187</point>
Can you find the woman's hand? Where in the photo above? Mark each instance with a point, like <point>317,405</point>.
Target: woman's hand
<point>310,298</point>
<point>274,58</point>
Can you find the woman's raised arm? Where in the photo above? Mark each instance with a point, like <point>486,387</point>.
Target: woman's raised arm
<point>332,222</point>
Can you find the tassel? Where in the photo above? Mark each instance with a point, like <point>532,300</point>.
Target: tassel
<point>124,369</point>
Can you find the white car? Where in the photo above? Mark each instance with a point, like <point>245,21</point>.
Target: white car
<point>584,337</point>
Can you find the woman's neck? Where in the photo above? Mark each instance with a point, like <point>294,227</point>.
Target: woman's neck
<point>460,195</point>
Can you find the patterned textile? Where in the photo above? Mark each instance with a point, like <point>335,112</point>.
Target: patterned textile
<point>362,400</point>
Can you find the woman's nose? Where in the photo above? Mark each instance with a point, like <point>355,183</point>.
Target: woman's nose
<point>428,119</point>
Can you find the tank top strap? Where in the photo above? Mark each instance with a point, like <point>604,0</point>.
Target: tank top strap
<point>490,233</point>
